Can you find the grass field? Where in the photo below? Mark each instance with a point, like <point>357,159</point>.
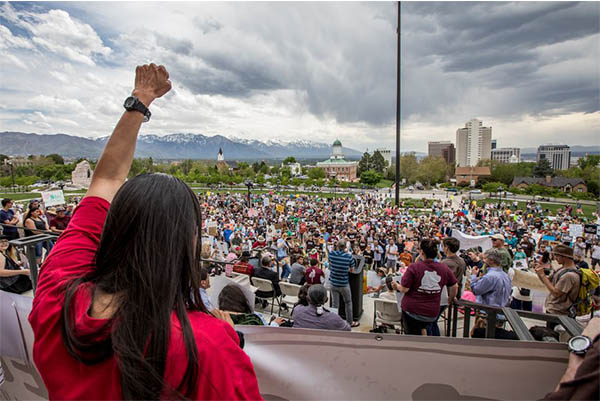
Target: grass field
<point>552,207</point>
<point>264,191</point>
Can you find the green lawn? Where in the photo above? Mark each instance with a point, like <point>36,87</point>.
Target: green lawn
<point>552,207</point>
<point>384,184</point>
<point>20,196</point>
<point>265,191</point>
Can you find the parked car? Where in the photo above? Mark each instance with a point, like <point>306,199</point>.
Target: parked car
<point>475,191</point>
<point>452,190</point>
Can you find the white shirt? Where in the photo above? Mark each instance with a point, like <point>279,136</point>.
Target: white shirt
<point>596,252</point>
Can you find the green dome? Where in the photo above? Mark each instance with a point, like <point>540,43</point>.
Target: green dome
<point>337,143</point>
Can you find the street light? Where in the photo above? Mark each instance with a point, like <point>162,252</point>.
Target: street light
<point>249,184</point>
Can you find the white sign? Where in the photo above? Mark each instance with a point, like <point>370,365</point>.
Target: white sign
<point>472,241</point>
<point>53,198</point>
<point>575,230</point>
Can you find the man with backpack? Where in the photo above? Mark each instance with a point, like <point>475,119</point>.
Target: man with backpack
<point>570,288</point>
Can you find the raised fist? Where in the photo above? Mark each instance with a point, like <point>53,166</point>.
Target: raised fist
<point>151,82</point>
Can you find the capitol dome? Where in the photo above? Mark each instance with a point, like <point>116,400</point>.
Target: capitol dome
<point>337,143</point>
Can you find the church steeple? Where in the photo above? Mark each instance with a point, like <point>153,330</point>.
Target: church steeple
<point>220,156</point>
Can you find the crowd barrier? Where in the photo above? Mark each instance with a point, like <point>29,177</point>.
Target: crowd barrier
<point>314,364</point>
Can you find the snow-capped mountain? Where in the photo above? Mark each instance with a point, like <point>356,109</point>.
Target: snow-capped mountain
<point>172,146</point>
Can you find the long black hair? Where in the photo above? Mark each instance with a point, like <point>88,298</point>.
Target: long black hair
<point>149,259</point>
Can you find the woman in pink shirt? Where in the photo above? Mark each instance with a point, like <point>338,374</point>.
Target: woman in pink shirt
<point>118,313</point>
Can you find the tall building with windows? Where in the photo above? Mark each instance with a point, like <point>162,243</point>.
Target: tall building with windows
<point>559,156</point>
<point>507,155</point>
<point>473,143</point>
<point>443,149</point>
<point>387,155</point>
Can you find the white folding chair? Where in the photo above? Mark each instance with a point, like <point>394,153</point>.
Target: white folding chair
<point>266,286</point>
<point>386,312</point>
<point>290,291</point>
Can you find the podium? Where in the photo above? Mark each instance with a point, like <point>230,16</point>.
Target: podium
<point>355,279</point>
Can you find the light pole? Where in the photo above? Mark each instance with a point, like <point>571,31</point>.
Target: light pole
<point>249,184</point>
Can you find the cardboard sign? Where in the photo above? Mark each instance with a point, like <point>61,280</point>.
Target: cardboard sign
<point>53,198</point>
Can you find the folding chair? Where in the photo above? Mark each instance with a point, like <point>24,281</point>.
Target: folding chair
<point>386,312</point>
<point>290,291</point>
<point>266,286</point>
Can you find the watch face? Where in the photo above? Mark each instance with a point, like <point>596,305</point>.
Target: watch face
<point>129,102</point>
<point>579,343</point>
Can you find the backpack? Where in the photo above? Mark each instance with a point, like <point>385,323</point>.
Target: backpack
<point>588,282</point>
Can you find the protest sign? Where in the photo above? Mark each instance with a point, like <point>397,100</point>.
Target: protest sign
<point>575,230</point>
<point>590,229</point>
<point>472,241</point>
<point>53,198</point>
<point>280,208</point>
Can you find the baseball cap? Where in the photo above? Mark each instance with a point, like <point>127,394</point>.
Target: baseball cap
<point>498,236</point>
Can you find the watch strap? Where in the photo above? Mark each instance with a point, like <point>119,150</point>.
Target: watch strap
<point>137,105</point>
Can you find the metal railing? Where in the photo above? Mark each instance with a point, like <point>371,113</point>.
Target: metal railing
<point>513,316</point>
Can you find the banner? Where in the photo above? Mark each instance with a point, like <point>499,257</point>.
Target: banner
<point>472,241</point>
<point>53,198</point>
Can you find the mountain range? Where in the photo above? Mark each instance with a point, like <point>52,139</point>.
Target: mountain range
<point>172,146</point>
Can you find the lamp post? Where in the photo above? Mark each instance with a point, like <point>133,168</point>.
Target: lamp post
<point>249,184</point>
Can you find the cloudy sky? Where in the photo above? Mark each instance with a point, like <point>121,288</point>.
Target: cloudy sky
<point>311,71</point>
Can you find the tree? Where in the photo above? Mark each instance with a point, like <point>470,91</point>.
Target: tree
<point>316,173</point>
<point>432,170</point>
<point>370,177</point>
<point>408,168</point>
<point>588,161</point>
<point>542,168</point>
<point>289,160</point>
<point>379,163</point>
<point>2,158</point>
<point>56,158</point>
<point>364,164</point>
<point>186,166</point>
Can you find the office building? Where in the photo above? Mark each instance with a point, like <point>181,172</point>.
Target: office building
<point>507,155</point>
<point>494,144</point>
<point>559,156</point>
<point>473,143</point>
<point>443,149</point>
<point>387,156</point>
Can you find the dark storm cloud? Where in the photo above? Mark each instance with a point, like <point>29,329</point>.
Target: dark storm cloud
<point>343,57</point>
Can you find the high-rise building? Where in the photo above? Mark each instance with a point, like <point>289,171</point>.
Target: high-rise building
<point>443,149</point>
<point>507,155</point>
<point>473,143</point>
<point>559,156</point>
<point>387,156</point>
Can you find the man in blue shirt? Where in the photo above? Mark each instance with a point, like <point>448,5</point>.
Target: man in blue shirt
<point>7,216</point>
<point>494,287</point>
<point>340,263</point>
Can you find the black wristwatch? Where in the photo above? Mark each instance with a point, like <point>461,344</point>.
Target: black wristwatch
<point>132,103</point>
<point>579,345</point>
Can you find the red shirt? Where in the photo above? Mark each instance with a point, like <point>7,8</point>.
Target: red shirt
<point>225,371</point>
<point>425,280</point>
<point>244,268</point>
<point>313,275</point>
